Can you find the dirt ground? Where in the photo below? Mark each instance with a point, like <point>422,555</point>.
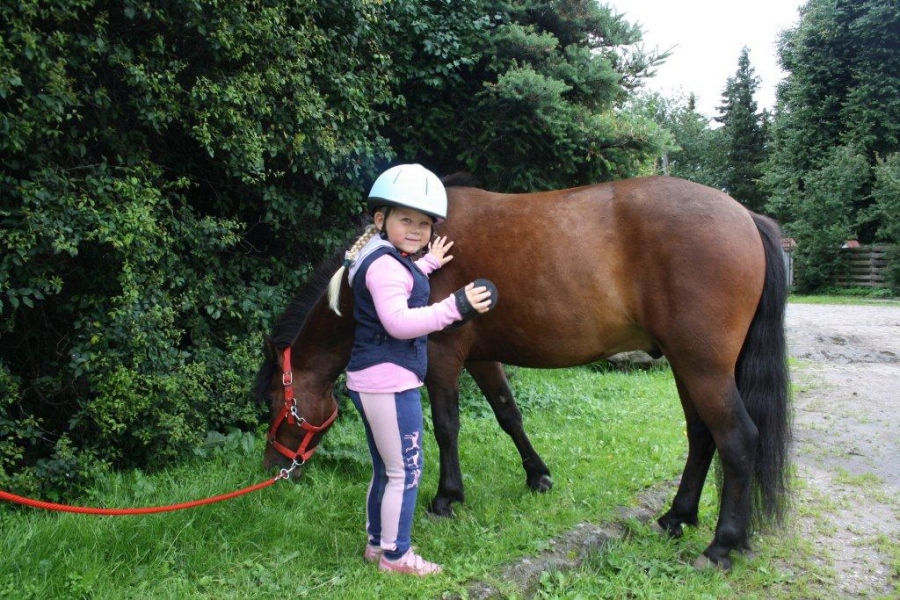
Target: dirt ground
<point>846,378</point>
<point>847,440</point>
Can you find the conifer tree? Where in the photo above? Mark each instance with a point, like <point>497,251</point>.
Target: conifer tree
<point>743,133</point>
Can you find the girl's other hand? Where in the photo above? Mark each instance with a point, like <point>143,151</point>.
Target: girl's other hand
<point>439,248</point>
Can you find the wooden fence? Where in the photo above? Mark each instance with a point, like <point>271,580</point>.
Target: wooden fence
<point>866,267</point>
<point>788,245</point>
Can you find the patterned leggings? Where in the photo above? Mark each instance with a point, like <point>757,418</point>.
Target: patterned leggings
<point>394,432</point>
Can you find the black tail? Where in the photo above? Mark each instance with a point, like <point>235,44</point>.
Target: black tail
<point>763,381</point>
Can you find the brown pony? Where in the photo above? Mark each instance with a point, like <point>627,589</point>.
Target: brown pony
<point>656,264</point>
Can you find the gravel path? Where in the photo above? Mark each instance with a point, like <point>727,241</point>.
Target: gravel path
<point>847,441</point>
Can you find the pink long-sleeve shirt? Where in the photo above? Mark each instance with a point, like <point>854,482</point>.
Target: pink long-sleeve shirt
<point>390,284</point>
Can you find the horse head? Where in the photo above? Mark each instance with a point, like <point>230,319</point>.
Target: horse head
<point>300,412</point>
<point>297,378</point>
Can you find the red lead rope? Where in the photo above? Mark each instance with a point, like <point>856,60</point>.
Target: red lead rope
<point>115,512</point>
<point>303,452</point>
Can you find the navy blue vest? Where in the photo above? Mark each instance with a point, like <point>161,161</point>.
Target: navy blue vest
<point>372,344</point>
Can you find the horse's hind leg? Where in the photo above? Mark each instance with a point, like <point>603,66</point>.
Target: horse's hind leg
<point>718,404</point>
<point>492,382</point>
<point>701,449</point>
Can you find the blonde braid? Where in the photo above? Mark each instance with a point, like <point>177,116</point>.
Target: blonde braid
<point>334,286</point>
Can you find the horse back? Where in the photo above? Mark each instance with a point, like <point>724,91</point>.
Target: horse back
<point>587,272</point>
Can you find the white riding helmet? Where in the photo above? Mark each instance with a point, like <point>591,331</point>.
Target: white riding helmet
<point>412,186</point>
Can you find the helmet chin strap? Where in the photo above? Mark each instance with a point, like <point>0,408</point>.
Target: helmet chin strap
<point>384,211</point>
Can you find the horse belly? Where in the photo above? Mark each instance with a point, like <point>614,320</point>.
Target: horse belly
<point>556,342</point>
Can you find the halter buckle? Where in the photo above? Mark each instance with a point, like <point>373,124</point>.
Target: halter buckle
<point>286,473</point>
<point>296,415</point>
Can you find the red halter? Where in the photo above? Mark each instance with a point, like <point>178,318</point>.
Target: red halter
<point>289,412</point>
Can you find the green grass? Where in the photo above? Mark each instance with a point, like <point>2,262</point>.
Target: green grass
<point>873,298</point>
<point>606,436</point>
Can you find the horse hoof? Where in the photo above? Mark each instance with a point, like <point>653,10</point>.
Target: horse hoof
<point>543,484</point>
<point>673,531</point>
<point>704,563</point>
<point>440,508</point>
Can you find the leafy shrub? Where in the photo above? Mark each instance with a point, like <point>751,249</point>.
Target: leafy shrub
<point>886,193</point>
<point>857,292</point>
<point>825,215</point>
<point>171,171</point>
<point>168,172</point>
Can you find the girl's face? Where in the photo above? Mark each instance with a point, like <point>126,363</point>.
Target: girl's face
<point>407,229</point>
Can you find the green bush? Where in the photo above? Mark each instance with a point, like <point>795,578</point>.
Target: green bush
<point>16,432</point>
<point>526,95</point>
<point>837,104</point>
<point>886,193</point>
<point>168,173</point>
<point>171,172</point>
<point>857,292</point>
<point>825,216</point>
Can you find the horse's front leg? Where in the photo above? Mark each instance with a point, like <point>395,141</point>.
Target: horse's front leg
<point>442,382</point>
<point>492,382</point>
<point>701,448</point>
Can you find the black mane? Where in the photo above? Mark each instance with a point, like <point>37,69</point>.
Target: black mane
<point>288,326</point>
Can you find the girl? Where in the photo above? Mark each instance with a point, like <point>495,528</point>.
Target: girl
<point>389,357</point>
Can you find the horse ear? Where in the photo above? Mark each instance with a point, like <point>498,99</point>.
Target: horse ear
<point>269,349</point>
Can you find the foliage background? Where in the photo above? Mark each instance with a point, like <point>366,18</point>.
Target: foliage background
<point>822,162</point>
<point>836,128</point>
<point>171,172</point>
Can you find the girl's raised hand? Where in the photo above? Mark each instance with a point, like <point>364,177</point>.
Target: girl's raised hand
<point>439,248</point>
